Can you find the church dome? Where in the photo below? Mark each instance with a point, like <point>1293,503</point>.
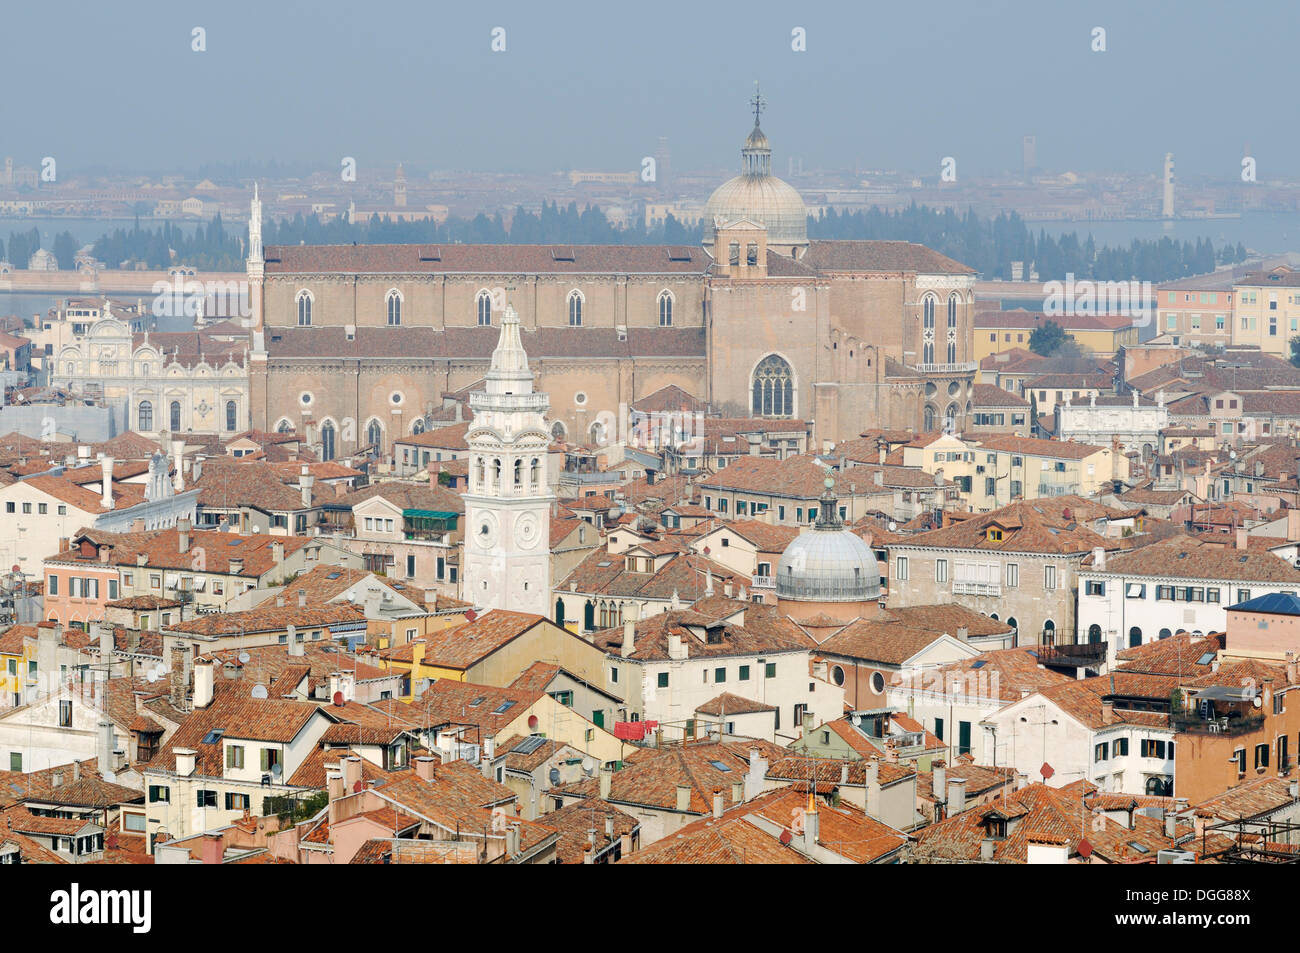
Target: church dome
<point>756,194</point>
<point>828,563</point>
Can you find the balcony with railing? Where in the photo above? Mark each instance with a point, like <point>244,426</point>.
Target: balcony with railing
<point>762,582</point>
<point>968,587</point>
<point>957,367</point>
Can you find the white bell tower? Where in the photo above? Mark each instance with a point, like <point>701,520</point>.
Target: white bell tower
<point>508,506</point>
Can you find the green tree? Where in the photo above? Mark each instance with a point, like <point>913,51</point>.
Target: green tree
<point>1047,338</point>
<point>65,250</point>
<point>1295,350</point>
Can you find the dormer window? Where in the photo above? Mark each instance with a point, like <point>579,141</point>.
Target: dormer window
<point>997,828</point>
<point>994,534</point>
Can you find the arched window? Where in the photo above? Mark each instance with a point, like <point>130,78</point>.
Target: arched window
<point>535,473</point>
<point>394,307</point>
<point>1164,634</point>
<point>665,309</point>
<point>232,415</point>
<point>952,329</point>
<point>557,430</point>
<point>575,309</point>
<point>327,441</point>
<point>589,616</point>
<point>773,389</point>
<point>175,415</point>
<point>927,330</point>
<point>559,612</point>
<point>950,418</point>
<point>284,427</point>
<point>304,309</point>
<point>1049,632</point>
<point>144,415</point>
<point>1094,633</point>
<point>417,427</point>
<point>1011,621</point>
<point>1134,637</point>
<point>375,435</point>
<point>496,473</point>
<point>483,305</point>
<point>519,473</point>
<point>928,423</point>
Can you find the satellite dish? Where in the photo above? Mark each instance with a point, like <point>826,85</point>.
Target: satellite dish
<point>555,775</point>
<point>152,675</point>
<point>276,770</point>
<point>532,722</point>
<point>588,765</point>
<point>1257,701</point>
<point>1232,454</point>
<point>856,719</point>
<point>338,699</point>
<point>471,615</point>
<point>259,691</point>
<point>243,658</point>
<point>893,527</point>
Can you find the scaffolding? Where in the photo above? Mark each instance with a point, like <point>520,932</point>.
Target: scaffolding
<point>1255,841</point>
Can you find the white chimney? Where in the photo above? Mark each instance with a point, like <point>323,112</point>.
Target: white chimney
<point>202,683</point>
<point>178,458</point>
<point>1098,558</point>
<point>186,760</point>
<point>106,470</point>
<point>956,796</point>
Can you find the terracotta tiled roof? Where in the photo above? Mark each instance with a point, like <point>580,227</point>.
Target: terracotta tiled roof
<point>455,258</point>
<point>893,636</point>
<point>797,477</point>
<point>701,636</point>
<point>270,618</point>
<point>886,256</point>
<point>729,704</point>
<point>1030,526</point>
<point>1183,557</point>
<point>649,779</point>
<point>573,821</point>
<point>449,702</point>
<point>461,646</point>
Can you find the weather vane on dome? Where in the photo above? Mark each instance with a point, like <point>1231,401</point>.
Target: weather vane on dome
<point>758,102</point>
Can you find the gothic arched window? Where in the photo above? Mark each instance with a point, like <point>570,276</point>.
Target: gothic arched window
<point>773,388</point>
<point>175,413</point>
<point>375,434</point>
<point>483,305</point>
<point>394,307</point>
<point>665,309</point>
<point>327,441</point>
<point>232,415</point>
<point>284,427</point>
<point>928,423</point>
<point>575,309</point>
<point>952,329</point>
<point>145,415</point>
<point>304,309</point>
<point>417,428</point>
<point>927,330</point>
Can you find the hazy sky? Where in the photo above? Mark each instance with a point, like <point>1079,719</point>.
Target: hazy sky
<point>593,84</point>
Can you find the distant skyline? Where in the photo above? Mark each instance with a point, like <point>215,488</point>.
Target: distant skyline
<point>593,86</point>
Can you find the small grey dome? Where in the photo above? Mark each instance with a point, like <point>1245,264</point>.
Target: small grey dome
<point>828,566</point>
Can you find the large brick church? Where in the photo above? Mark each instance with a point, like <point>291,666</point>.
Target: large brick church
<point>356,345</point>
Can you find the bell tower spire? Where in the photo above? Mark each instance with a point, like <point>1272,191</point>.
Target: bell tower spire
<point>507,508</point>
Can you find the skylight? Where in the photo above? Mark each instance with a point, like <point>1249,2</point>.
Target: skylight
<point>213,736</point>
<point>720,766</point>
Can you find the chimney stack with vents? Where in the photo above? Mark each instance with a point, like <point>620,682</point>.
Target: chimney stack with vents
<point>183,534</point>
